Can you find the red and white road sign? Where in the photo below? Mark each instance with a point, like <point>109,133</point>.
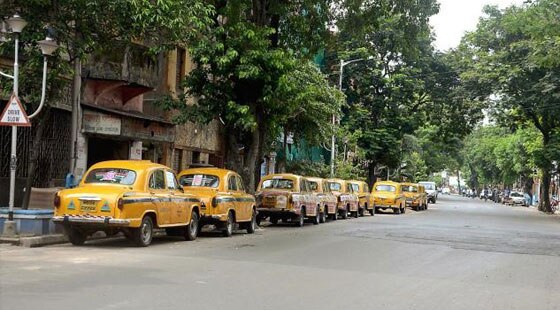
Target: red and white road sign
<point>14,114</point>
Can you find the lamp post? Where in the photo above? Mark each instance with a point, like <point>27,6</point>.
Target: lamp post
<point>48,46</point>
<point>333,138</point>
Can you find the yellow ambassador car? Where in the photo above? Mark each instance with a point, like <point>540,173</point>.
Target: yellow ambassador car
<point>361,189</point>
<point>415,195</point>
<point>132,196</point>
<point>388,195</point>
<point>347,200</point>
<point>224,200</point>
<point>327,200</point>
<point>287,197</point>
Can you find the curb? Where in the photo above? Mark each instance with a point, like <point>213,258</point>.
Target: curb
<point>36,241</point>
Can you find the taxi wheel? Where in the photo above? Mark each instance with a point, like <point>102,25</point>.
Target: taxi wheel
<point>76,236</point>
<point>192,230</point>
<point>323,217</point>
<point>345,214</point>
<point>317,218</point>
<point>334,216</point>
<point>143,235</point>
<point>300,220</point>
<point>362,211</point>
<point>403,210</point>
<point>252,226</point>
<point>397,210</point>
<point>228,229</point>
<point>372,212</point>
<point>357,214</point>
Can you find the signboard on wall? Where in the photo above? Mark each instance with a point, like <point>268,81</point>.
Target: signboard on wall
<point>100,123</point>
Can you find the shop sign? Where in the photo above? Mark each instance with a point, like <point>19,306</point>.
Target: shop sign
<point>100,123</point>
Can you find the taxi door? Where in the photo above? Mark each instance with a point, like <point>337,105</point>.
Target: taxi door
<point>178,206</point>
<point>244,201</point>
<point>160,197</point>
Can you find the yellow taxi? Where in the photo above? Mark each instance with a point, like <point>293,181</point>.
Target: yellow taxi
<point>415,195</point>
<point>347,200</point>
<point>224,200</point>
<point>361,189</point>
<point>132,196</point>
<point>388,195</point>
<point>327,199</point>
<point>287,197</point>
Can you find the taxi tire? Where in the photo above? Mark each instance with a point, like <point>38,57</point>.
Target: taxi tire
<point>317,218</point>
<point>146,226</point>
<point>229,225</point>
<point>372,212</point>
<point>192,232</point>
<point>323,217</point>
<point>403,210</point>
<point>357,214</point>
<point>345,213</point>
<point>252,225</point>
<point>300,220</point>
<point>76,236</point>
<point>397,210</point>
<point>334,216</point>
<point>362,211</point>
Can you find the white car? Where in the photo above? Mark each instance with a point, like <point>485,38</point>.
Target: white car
<point>431,190</point>
<point>446,191</point>
<point>517,198</point>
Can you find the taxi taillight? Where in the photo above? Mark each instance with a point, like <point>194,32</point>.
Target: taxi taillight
<point>120,203</point>
<point>56,200</point>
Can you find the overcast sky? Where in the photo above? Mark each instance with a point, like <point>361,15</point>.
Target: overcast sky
<point>457,16</point>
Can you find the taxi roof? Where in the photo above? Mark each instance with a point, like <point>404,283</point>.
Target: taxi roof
<point>128,164</point>
<point>356,181</point>
<point>315,179</point>
<point>387,182</point>
<point>207,170</point>
<point>411,184</point>
<point>282,175</point>
<point>336,180</point>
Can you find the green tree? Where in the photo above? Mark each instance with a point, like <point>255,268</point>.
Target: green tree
<point>512,58</point>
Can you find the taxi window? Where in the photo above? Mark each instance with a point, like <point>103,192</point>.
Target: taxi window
<point>278,184</point>
<point>314,186</point>
<point>232,183</point>
<point>334,186</point>
<point>112,176</point>
<point>355,187</point>
<point>385,188</point>
<point>366,188</point>
<point>170,180</point>
<point>326,188</point>
<point>409,189</point>
<point>199,180</point>
<point>157,180</point>
<point>240,184</point>
<point>349,188</point>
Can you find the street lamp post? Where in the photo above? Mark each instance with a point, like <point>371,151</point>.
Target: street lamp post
<point>333,138</point>
<point>48,46</point>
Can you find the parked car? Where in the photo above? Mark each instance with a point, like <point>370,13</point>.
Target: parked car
<point>129,196</point>
<point>347,200</point>
<point>389,195</point>
<point>224,200</point>
<point>287,197</point>
<point>361,189</point>
<point>446,191</point>
<point>431,190</point>
<point>516,198</point>
<point>327,200</point>
<point>415,195</point>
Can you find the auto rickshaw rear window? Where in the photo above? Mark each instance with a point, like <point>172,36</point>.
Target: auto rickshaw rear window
<point>111,176</point>
<point>199,180</point>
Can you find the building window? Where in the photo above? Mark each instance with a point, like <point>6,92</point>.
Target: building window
<point>177,160</point>
<point>195,157</point>
<point>180,70</point>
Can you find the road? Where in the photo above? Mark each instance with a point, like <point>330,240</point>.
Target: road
<point>459,254</point>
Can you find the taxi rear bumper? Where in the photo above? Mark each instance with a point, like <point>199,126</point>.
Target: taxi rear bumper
<point>91,220</point>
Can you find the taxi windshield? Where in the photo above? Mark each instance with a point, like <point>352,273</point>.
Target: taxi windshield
<point>334,186</point>
<point>409,189</point>
<point>199,180</point>
<point>278,184</point>
<point>111,176</point>
<point>385,188</point>
<point>313,186</point>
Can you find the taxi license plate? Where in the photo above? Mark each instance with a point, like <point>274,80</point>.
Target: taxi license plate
<point>88,206</point>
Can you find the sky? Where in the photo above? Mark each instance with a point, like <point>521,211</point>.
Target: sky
<point>458,16</point>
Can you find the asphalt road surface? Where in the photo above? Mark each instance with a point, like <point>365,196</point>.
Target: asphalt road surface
<point>459,254</point>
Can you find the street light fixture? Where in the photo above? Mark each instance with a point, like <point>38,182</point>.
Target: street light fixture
<point>333,138</point>
<point>48,46</point>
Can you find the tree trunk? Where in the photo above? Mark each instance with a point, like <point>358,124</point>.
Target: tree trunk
<point>459,181</point>
<point>36,146</point>
<point>251,159</point>
<point>282,163</point>
<point>544,199</point>
<point>371,178</point>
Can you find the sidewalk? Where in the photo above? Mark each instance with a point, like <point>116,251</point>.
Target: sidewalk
<point>34,241</point>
